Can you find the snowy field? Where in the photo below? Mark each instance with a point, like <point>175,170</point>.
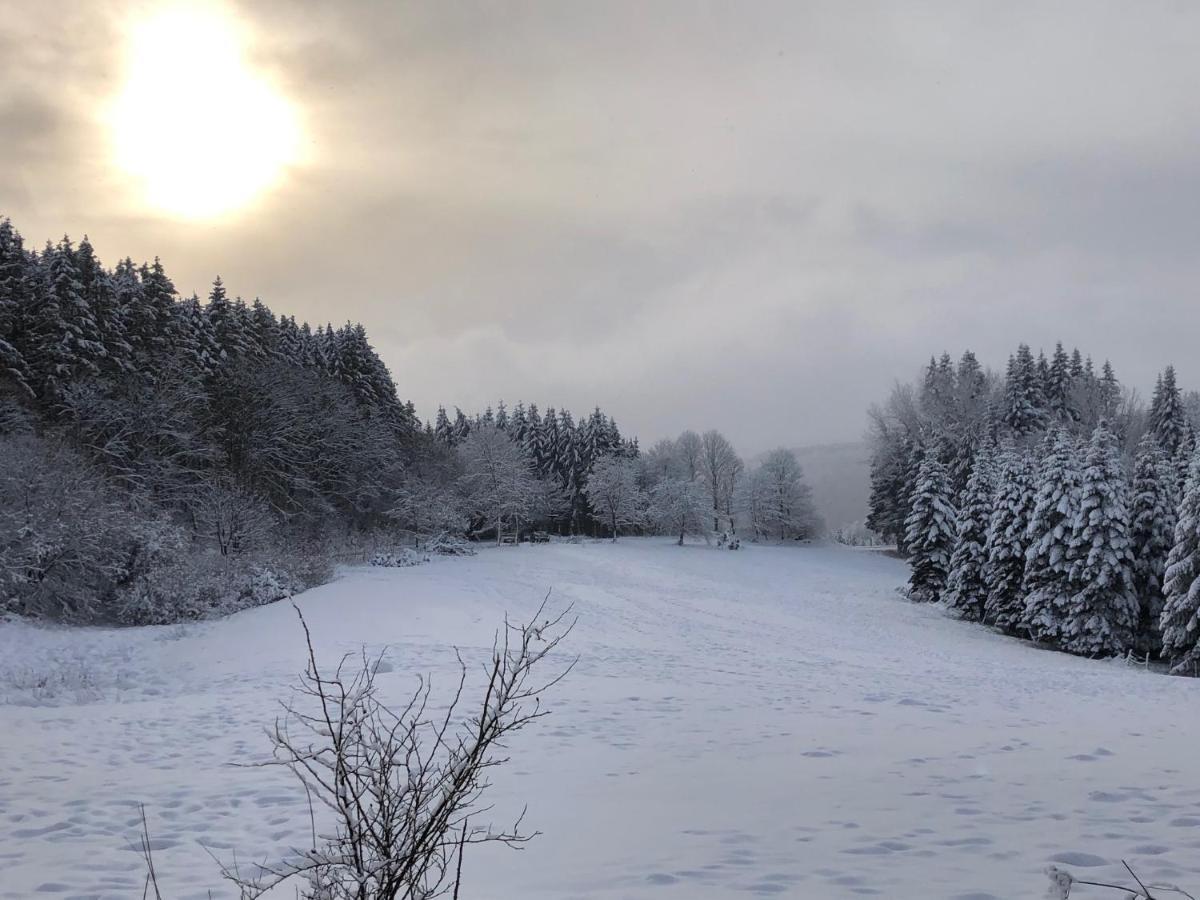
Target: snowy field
<point>774,722</point>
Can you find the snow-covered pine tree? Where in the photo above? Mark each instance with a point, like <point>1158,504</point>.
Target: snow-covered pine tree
<point>1004,571</point>
<point>223,322</point>
<point>1168,418</point>
<point>930,531</point>
<point>1110,392</point>
<point>158,295</point>
<point>15,291</point>
<point>65,335</point>
<point>1058,388</point>
<point>1023,398</point>
<point>1180,622</point>
<point>106,310</point>
<point>1047,584</point>
<point>1152,530</point>
<point>1103,613</point>
<point>443,431</point>
<point>965,587</point>
<point>889,500</point>
<point>518,426</point>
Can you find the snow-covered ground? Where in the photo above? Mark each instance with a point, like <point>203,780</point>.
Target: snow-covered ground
<point>770,722</point>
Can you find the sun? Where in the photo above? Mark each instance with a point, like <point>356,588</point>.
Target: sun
<point>204,133</point>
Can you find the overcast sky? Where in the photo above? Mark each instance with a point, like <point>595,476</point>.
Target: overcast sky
<point>753,216</point>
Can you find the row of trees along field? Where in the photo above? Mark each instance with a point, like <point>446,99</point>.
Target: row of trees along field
<point>1050,503</point>
<point>168,458</point>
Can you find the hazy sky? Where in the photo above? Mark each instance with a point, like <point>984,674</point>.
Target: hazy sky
<point>752,216</point>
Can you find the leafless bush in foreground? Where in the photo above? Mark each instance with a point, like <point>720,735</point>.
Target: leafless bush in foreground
<point>403,786</point>
<point>1062,881</point>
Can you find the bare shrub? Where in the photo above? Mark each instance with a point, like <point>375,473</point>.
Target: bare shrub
<point>1062,882</point>
<point>402,786</point>
<point>233,518</point>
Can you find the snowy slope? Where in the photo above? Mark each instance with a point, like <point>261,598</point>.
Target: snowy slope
<point>770,722</point>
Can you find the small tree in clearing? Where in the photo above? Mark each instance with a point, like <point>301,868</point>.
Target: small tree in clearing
<point>681,507</point>
<point>428,508</point>
<point>613,493</point>
<point>787,507</point>
<point>498,483</point>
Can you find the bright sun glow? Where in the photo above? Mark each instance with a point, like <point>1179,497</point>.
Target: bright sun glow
<point>203,131</point>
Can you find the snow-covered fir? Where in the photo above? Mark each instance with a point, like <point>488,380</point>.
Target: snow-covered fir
<point>1075,543</point>
<point>1047,584</point>
<point>966,587</point>
<point>1180,621</point>
<point>930,531</point>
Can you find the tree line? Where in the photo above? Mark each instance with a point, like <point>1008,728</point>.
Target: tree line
<point>169,457</point>
<point>1050,503</point>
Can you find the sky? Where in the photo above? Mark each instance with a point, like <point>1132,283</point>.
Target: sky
<point>753,216</point>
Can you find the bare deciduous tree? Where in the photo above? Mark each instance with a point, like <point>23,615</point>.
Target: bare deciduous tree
<point>719,465</point>
<point>614,495</point>
<point>403,787</point>
<point>231,517</point>
<point>680,507</point>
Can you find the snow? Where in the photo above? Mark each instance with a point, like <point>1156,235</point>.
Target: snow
<point>775,721</point>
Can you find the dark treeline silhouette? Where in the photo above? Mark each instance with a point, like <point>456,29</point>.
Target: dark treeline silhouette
<point>168,458</point>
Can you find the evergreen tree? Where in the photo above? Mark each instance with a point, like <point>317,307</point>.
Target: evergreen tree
<point>1058,388</point>
<point>157,329</point>
<point>1152,529</point>
<point>67,340</point>
<point>1168,418</point>
<point>1004,571</point>
<point>889,501</point>
<point>1077,371</point>
<point>15,302</point>
<point>1180,622</point>
<point>443,431</point>
<point>1103,613</point>
<point>930,531</point>
<point>1110,392</point>
<point>1023,398</point>
<point>107,309</point>
<point>1047,583</point>
<point>966,590</point>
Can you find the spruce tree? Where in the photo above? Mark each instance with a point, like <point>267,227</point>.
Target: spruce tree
<point>930,531</point>
<point>1103,613</point>
<point>889,500</point>
<point>1047,584</point>
<point>1168,418</point>
<point>1023,398</point>
<point>1152,529</point>
<point>1058,391</point>
<point>1004,571</point>
<point>966,589</point>
<point>1180,622</point>
<point>15,301</point>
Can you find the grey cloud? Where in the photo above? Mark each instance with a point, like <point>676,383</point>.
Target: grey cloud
<point>754,216</point>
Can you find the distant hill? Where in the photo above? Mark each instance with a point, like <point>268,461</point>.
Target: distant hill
<point>839,475</point>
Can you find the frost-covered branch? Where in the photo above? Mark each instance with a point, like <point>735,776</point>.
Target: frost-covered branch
<point>402,786</point>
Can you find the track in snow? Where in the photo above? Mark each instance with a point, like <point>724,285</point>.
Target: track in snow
<point>773,722</point>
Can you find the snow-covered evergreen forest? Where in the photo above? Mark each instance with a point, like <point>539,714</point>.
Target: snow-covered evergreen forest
<point>170,458</point>
<point>1050,503</point>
